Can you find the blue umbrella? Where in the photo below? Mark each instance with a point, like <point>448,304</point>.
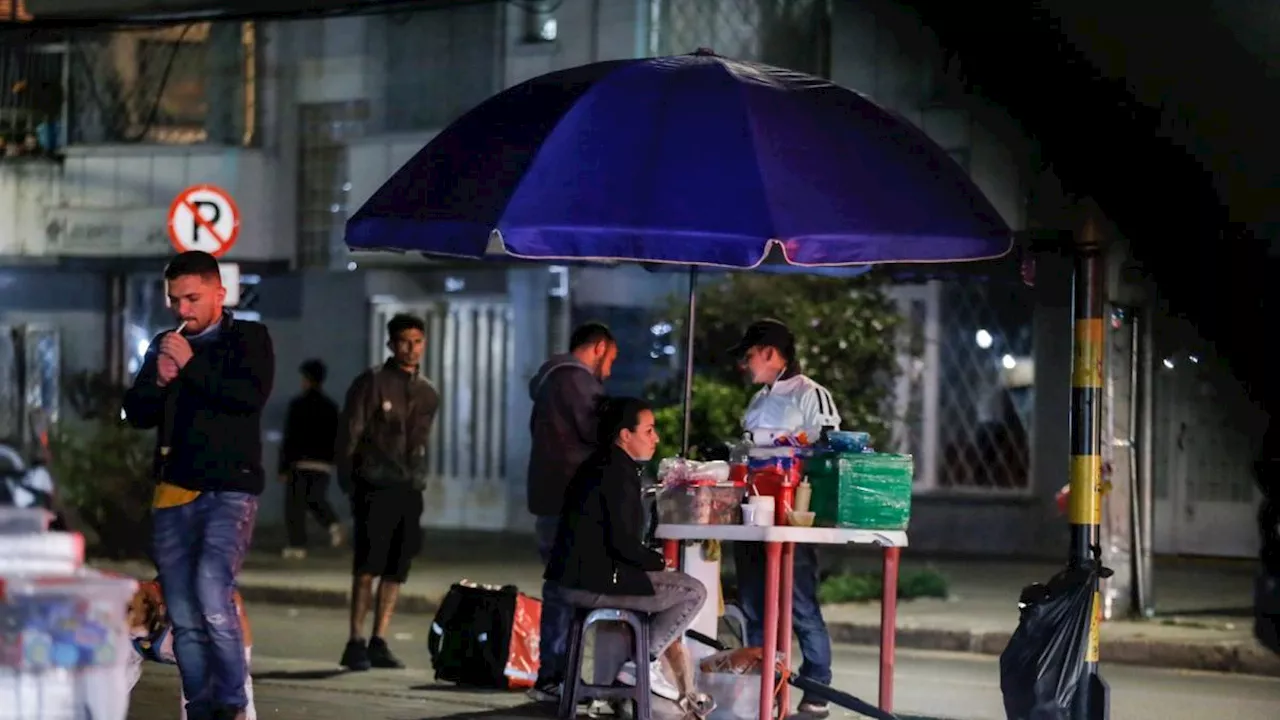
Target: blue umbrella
<point>688,161</point>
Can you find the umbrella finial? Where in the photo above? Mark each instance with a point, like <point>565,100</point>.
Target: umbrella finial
<point>705,52</point>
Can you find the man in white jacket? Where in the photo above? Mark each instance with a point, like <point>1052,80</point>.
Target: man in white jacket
<point>788,403</point>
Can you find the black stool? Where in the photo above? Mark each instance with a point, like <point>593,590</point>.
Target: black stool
<point>575,690</point>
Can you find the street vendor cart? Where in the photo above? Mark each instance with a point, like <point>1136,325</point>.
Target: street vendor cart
<point>780,545</point>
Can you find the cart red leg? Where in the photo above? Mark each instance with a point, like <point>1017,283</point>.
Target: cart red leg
<point>888,626</point>
<point>671,553</point>
<point>772,561</point>
<point>786,587</point>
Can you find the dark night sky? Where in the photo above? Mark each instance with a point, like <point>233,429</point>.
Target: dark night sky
<point>1165,117</point>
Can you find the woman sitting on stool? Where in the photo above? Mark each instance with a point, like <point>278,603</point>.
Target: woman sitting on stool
<point>600,559</point>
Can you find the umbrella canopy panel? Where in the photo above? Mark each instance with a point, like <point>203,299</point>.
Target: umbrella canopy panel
<point>691,160</point>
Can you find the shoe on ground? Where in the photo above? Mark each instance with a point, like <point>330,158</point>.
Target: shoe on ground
<point>380,656</point>
<point>355,656</point>
<point>659,683</point>
<point>337,535</point>
<point>544,691</point>
<point>293,553</point>
<point>814,708</point>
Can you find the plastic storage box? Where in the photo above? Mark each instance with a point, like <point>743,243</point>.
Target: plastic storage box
<point>42,553</point>
<point>737,696</point>
<point>869,491</point>
<point>24,521</point>
<point>64,647</point>
<point>701,505</point>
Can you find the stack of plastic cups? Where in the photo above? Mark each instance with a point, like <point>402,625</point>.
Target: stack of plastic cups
<point>64,637</point>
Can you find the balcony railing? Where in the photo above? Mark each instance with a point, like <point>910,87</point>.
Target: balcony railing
<point>32,77</point>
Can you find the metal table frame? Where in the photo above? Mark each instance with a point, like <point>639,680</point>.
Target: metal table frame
<point>780,542</point>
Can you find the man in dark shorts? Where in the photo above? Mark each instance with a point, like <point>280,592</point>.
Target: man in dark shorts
<point>382,465</point>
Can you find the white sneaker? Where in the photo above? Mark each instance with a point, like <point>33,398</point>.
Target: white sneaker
<point>292,553</point>
<point>659,683</point>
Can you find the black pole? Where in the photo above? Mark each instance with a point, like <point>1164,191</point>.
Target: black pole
<point>1085,510</point>
<point>689,331</point>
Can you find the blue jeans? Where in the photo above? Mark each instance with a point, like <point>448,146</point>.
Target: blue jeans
<point>198,549</point>
<point>557,613</point>
<point>806,615</point>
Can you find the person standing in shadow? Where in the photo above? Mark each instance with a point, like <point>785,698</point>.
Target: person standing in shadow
<point>306,461</point>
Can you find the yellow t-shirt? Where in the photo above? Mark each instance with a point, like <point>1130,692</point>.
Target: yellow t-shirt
<point>168,496</point>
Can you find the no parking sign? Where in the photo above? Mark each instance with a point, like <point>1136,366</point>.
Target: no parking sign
<point>204,217</point>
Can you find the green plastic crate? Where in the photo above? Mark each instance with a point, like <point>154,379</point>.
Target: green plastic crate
<point>870,491</point>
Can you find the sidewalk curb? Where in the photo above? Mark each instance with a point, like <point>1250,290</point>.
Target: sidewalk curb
<point>1228,657</point>
<point>1233,657</point>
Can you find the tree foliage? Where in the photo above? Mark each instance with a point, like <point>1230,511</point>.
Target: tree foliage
<point>103,467</point>
<point>845,339</point>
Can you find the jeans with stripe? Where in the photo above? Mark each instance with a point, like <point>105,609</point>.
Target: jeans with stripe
<point>198,550</point>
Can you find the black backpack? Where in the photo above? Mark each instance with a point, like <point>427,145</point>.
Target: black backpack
<point>470,638</point>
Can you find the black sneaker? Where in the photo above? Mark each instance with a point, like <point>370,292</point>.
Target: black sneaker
<point>380,655</point>
<point>814,707</point>
<point>545,691</point>
<point>355,656</point>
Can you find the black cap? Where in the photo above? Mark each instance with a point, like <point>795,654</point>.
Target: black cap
<point>765,333</point>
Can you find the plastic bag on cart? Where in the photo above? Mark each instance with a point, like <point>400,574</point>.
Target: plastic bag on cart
<point>676,471</point>
<point>1043,662</point>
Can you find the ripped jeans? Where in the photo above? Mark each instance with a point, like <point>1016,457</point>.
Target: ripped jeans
<point>198,548</point>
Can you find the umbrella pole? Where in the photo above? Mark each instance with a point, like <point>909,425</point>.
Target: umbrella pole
<point>689,329</point>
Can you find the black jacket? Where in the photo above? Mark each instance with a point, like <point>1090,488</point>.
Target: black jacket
<point>216,412</point>
<point>599,544</point>
<point>310,430</point>
<point>563,425</point>
<point>385,427</point>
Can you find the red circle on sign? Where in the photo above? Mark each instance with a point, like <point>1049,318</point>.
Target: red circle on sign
<point>181,201</point>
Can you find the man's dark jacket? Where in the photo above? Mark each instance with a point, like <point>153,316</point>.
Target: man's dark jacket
<point>310,430</point>
<point>563,425</point>
<point>386,424</point>
<point>216,403</point>
<point>598,545</point>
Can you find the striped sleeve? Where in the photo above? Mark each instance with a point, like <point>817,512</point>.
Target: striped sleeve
<point>819,409</point>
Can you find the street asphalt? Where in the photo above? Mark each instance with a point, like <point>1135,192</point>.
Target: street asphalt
<point>296,678</point>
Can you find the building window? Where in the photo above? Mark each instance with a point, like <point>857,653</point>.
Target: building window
<point>31,97</point>
<point>794,34</point>
<point>179,84</point>
<point>439,64</point>
<point>324,184</point>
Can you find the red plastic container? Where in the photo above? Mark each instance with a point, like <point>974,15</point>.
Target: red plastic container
<point>781,485</point>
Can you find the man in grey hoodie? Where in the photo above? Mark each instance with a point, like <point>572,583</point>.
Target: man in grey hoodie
<point>563,424</point>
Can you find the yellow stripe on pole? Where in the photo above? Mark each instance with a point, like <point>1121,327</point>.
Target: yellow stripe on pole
<point>1095,627</point>
<point>1086,365</point>
<point>1084,505</point>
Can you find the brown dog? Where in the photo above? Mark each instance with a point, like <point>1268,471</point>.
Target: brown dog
<point>152,635</point>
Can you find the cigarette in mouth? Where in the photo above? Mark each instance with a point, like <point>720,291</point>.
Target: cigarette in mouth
<point>181,327</point>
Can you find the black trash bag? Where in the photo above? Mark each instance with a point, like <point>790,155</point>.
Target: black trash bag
<point>1043,663</point>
